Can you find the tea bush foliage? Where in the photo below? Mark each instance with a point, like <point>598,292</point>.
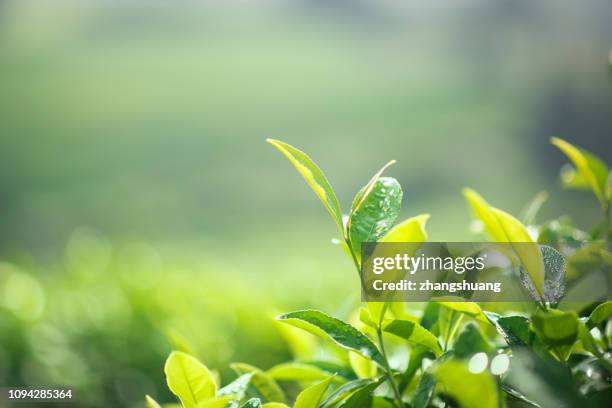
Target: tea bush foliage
<point>440,353</point>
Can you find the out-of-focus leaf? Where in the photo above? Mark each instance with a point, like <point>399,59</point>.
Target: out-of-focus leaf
<point>363,367</point>
<point>179,342</point>
<point>570,178</point>
<point>274,405</point>
<point>341,333</point>
<point>265,385</point>
<point>344,390</point>
<point>298,372</point>
<point>238,387</point>
<point>311,397</point>
<point>554,277</point>
<point>469,389</point>
<point>588,166</point>
<point>189,379</point>
<point>470,341</point>
<point>514,329</point>
<point>587,340</point>
<point>543,381</point>
<point>303,345</point>
<point>252,403</point>
<point>562,234</point>
<point>382,402</point>
<point>314,177</point>
<point>557,329</point>
<point>414,333</point>
<point>151,403</point>
<point>600,314</point>
<point>531,210</point>
<point>424,391</point>
<point>482,210</point>
<point>332,368</point>
<point>374,215</point>
<point>410,230</point>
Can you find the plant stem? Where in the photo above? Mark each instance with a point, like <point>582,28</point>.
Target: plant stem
<point>388,371</point>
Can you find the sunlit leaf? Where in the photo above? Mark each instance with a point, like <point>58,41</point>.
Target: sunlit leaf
<point>151,403</point>
<point>311,397</point>
<point>410,230</point>
<point>221,402</point>
<point>482,211</point>
<point>557,329</point>
<point>341,333</point>
<point>265,385</point>
<point>589,167</point>
<point>314,177</point>
<point>528,254</point>
<point>474,390</point>
<point>414,333</point>
<point>469,308</point>
<point>189,379</point>
<point>274,405</point>
<point>363,367</point>
<point>298,372</point>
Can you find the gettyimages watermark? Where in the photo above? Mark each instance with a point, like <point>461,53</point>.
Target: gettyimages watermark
<point>475,271</point>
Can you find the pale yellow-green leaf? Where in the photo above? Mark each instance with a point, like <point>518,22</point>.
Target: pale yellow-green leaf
<point>297,372</point>
<point>588,166</point>
<point>151,403</point>
<point>303,345</point>
<point>314,177</point>
<point>274,405</point>
<point>527,251</point>
<point>220,402</point>
<point>482,211</point>
<point>469,308</point>
<point>410,230</point>
<point>189,379</point>
<point>311,397</point>
<point>363,367</point>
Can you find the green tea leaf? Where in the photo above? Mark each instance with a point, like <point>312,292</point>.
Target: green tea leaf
<point>341,333</point>
<point>555,327</point>
<point>252,403</point>
<point>360,398</point>
<point>151,403</point>
<point>344,390</point>
<point>554,277</point>
<point>189,379</point>
<point>469,308</point>
<point>589,167</point>
<point>302,344</point>
<point>474,390</point>
<point>471,341</point>
<point>531,210</point>
<point>216,402</point>
<point>424,391</point>
<point>238,387</point>
<point>414,333</point>
<point>274,405</point>
<point>482,211</point>
<point>314,177</point>
<point>410,230</point>
<point>363,367</point>
<point>373,213</point>
<point>265,385</point>
<point>298,372</point>
<point>514,329</point>
<point>600,314</point>
<point>311,397</point>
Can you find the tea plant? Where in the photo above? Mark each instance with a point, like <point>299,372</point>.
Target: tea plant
<point>440,353</point>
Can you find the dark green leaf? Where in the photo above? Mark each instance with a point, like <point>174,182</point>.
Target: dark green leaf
<point>470,342</point>
<point>341,333</point>
<point>361,398</point>
<point>514,329</point>
<point>344,390</point>
<point>424,391</point>
<point>374,214</point>
<point>252,403</point>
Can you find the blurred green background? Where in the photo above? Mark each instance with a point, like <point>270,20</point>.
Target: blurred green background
<point>139,201</point>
